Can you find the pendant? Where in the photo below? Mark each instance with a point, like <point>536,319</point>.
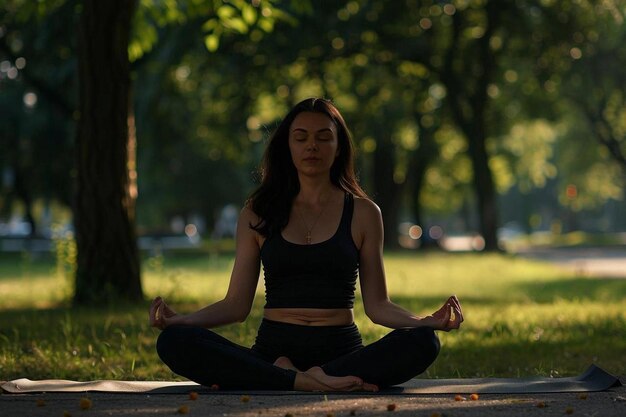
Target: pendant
<point>308,238</point>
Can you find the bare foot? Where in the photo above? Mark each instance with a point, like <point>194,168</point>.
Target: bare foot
<point>340,383</point>
<point>285,363</point>
<point>305,382</point>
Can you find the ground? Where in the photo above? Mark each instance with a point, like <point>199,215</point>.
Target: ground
<point>601,404</point>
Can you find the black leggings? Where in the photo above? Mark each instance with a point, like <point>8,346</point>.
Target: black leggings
<point>207,358</point>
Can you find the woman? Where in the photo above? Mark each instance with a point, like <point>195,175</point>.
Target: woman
<point>313,229</point>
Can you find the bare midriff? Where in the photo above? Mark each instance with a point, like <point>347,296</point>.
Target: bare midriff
<point>311,316</point>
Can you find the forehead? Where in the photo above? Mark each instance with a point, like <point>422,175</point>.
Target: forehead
<point>312,122</point>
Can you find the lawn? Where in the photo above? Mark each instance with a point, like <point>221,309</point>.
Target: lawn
<point>523,318</point>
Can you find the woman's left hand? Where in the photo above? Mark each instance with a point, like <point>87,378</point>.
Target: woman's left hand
<point>448,317</point>
<point>161,314</point>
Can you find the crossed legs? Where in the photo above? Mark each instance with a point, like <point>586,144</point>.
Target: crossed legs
<point>207,358</point>
<point>394,359</point>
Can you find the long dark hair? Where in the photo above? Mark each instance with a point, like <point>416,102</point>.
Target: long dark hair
<point>272,200</point>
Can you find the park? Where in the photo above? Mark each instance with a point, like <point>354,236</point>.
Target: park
<point>491,135</point>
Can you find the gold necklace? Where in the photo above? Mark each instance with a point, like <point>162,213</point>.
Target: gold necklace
<point>306,225</point>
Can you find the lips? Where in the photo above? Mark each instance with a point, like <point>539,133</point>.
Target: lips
<point>311,159</point>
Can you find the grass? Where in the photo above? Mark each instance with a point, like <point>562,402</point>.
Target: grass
<point>523,318</point>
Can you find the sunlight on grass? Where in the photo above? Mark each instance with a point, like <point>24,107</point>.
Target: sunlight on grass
<point>522,317</point>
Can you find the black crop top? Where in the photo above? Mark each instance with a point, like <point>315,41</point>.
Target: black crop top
<point>320,275</point>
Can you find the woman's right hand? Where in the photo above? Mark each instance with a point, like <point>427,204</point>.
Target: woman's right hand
<point>161,314</point>
<point>448,317</point>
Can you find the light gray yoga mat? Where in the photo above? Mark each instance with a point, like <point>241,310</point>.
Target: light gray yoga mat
<point>593,379</point>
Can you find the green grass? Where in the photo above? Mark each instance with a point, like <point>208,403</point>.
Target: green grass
<point>523,318</point>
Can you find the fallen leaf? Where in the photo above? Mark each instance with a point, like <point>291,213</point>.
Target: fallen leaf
<point>193,395</point>
<point>245,398</point>
<point>474,397</point>
<point>391,407</point>
<point>85,403</point>
<point>183,409</point>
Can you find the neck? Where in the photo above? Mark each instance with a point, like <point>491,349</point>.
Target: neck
<point>314,191</point>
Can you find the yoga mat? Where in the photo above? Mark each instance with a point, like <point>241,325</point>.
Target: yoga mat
<point>593,379</point>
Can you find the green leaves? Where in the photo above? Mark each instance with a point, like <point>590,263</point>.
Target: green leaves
<point>221,18</point>
<point>212,42</point>
<point>240,17</point>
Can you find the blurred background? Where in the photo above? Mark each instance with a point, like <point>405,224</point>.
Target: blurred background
<point>480,125</point>
<point>131,133</point>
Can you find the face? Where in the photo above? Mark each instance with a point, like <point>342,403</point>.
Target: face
<point>313,143</point>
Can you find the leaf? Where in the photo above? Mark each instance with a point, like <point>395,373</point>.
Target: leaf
<point>210,25</point>
<point>249,14</point>
<point>225,12</point>
<point>266,24</point>
<point>212,42</point>
<point>237,24</point>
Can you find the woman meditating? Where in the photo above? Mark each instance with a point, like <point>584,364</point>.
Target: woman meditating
<point>314,231</point>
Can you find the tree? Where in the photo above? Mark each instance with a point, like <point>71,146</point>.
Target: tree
<point>104,215</point>
<point>576,62</point>
<point>108,264</point>
<point>595,81</point>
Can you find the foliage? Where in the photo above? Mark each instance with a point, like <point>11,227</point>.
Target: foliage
<point>590,74</point>
<point>212,77</point>
<point>531,318</point>
<point>218,19</point>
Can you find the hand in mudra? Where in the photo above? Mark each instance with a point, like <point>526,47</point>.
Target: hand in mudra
<point>448,317</point>
<point>160,313</point>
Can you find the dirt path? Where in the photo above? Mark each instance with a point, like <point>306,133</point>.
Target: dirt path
<point>602,404</point>
<point>606,262</point>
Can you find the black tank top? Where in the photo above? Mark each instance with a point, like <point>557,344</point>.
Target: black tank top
<point>320,275</point>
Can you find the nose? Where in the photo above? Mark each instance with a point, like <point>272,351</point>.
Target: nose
<point>311,144</point>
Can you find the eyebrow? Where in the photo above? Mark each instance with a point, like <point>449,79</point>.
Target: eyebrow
<point>300,129</point>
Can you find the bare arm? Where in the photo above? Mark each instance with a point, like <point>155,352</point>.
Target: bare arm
<point>379,308</point>
<point>237,303</point>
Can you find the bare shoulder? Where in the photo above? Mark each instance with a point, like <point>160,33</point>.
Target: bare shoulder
<point>367,223</point>
<point>245,232</point>
<point>365,209</point>
<point>248,216</point>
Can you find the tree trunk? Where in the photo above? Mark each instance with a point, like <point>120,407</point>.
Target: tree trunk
<point>477,134</point>
<point>485,191</point>
<point>421,159</point>
<point>386,191</point>
<point>23,193</point>
<point>104,211</point>
<point>469,110</point>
